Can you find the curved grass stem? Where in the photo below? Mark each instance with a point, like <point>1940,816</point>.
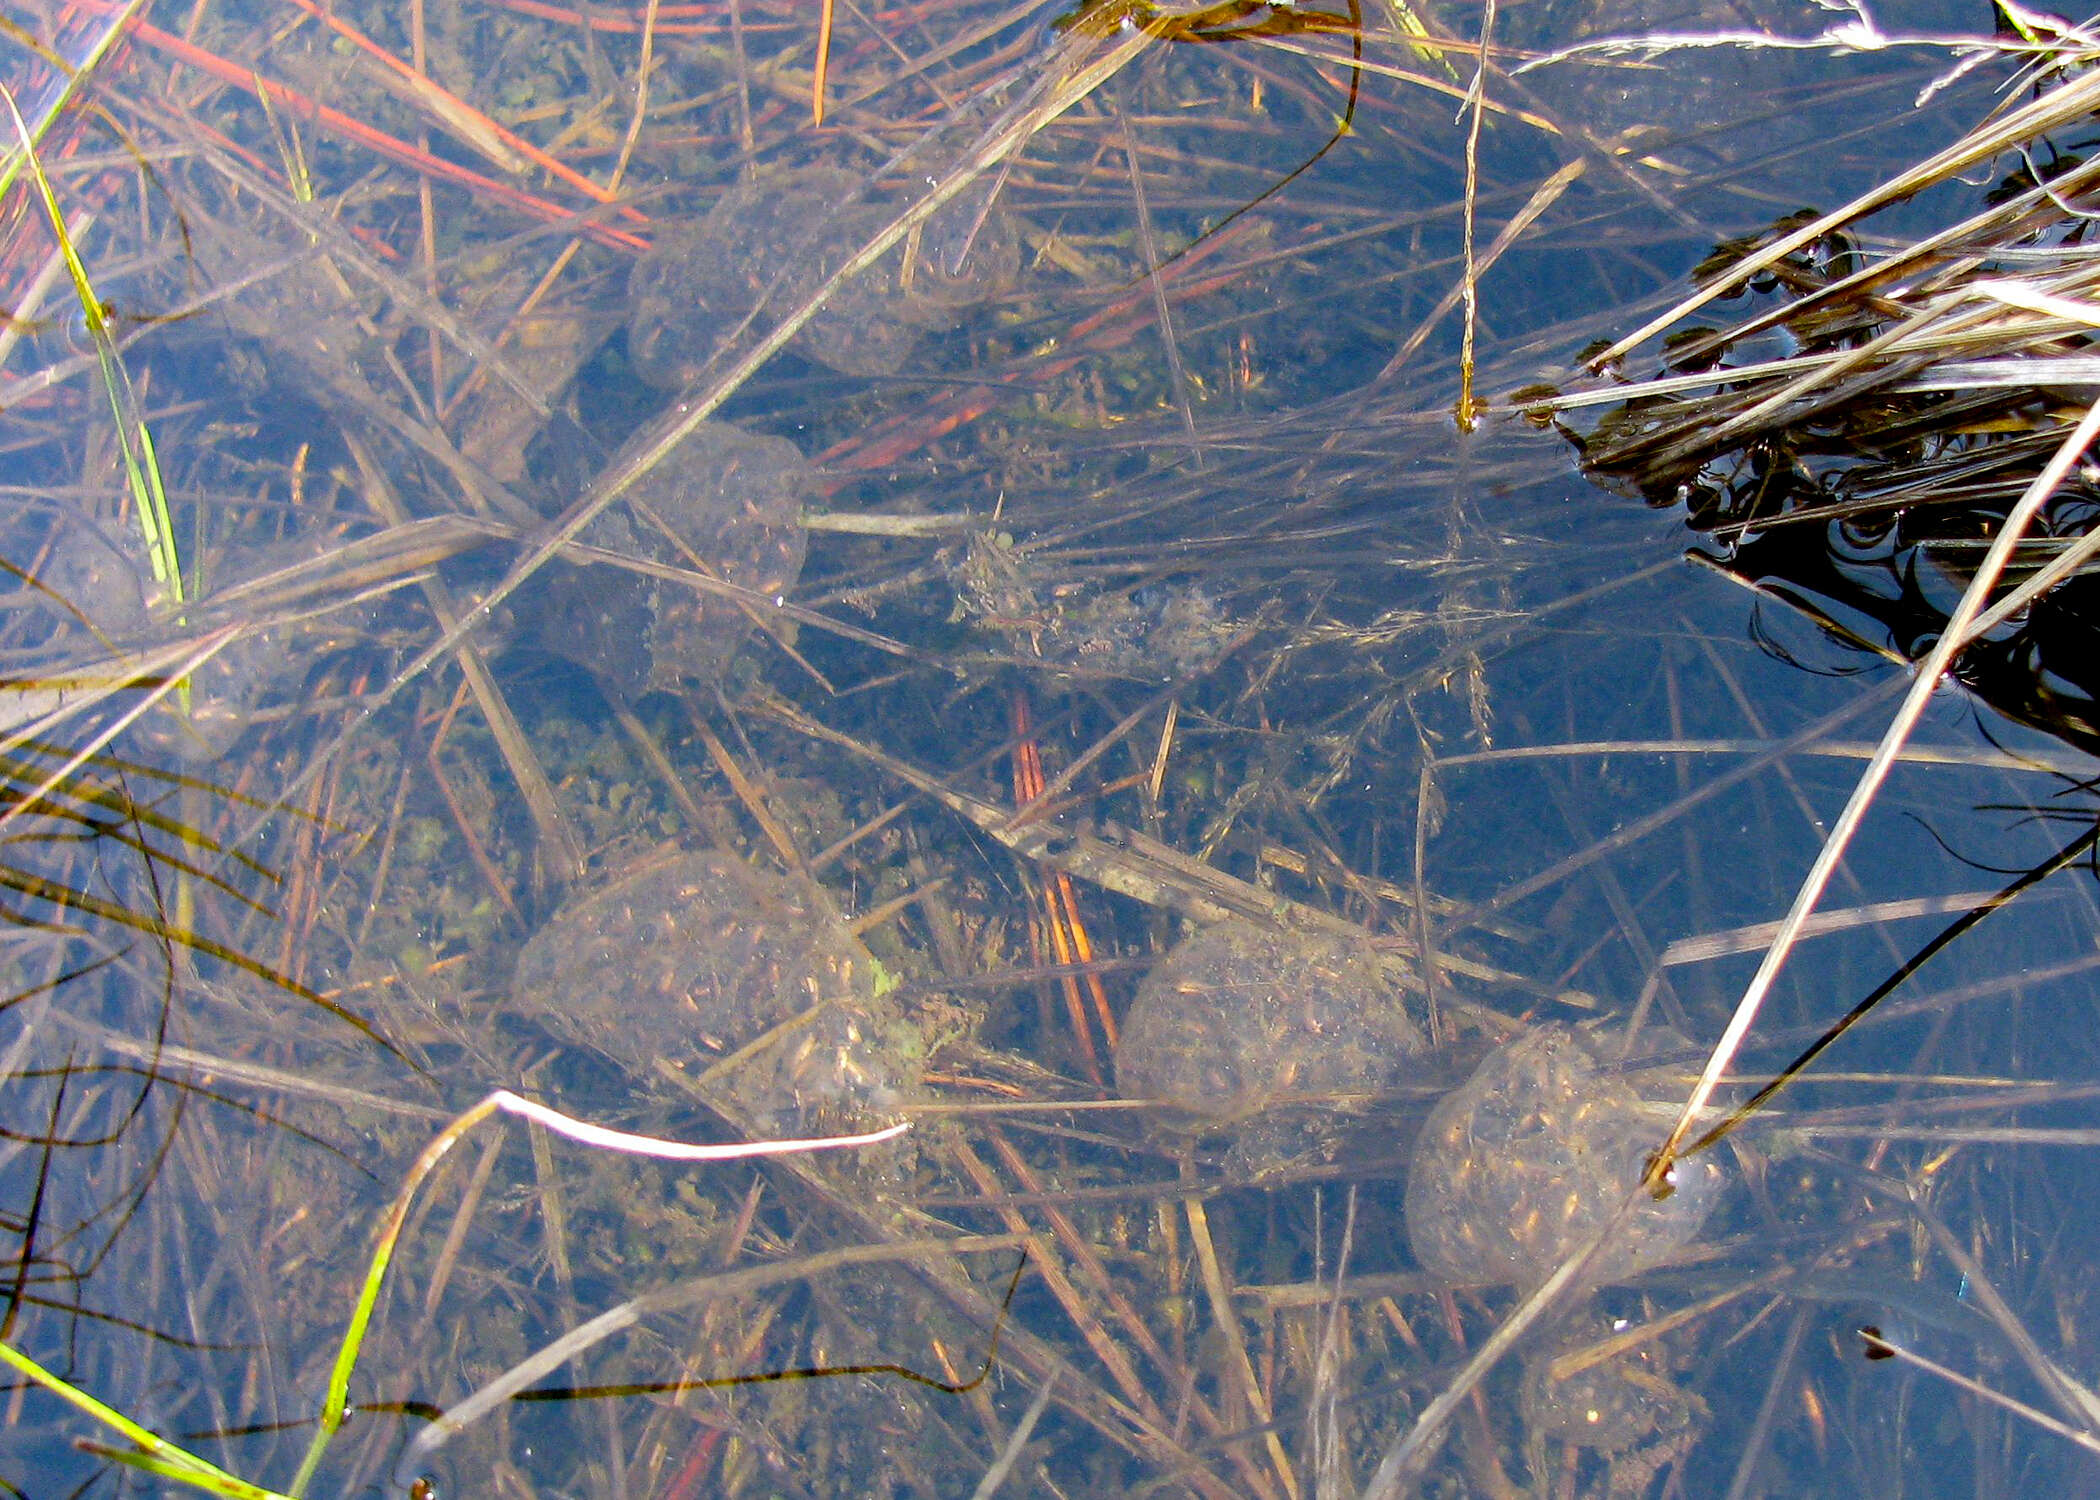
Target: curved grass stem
<point>335,1405</point>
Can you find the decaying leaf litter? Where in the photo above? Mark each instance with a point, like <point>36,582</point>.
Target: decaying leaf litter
<point>1272,619</point>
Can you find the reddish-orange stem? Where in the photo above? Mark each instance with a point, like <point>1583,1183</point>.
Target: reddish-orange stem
<point>687,1482</point>
<point>816,92</point>
<point>351,128</point>
<point>1069,942</point>
<point>503,133</point>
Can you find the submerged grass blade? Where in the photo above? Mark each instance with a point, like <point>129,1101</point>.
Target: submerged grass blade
<point>134,439</point>
<point>153,1453</point>
<point>229,1485</point>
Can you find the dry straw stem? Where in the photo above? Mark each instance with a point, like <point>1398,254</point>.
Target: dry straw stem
<point>1011,1453</point>
<point>1962,625</point>
<point>2076,1400</point>
<point>1405,1460</point>
<point>2064,106</point>
<point>1941,315</point>
<point>1469,284</point>
<point>1946,314</point>
<point>1227,1323</point>
<point>1879,1347</point>
<point>1860,34</point>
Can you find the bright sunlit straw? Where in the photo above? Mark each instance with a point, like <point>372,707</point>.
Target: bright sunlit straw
<point>823,67</point>
<point>649,1145</point>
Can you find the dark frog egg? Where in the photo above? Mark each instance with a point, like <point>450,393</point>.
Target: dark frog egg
<point>725,506</point>
<point>1238,1020</point>
<point>697,959</point>
<point>781,239</point>
<point>1528,1158</point>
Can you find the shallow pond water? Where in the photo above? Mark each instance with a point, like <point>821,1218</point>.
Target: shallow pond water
<point>757,245</point>
<point>1080,693</point>
<point>725,501</point>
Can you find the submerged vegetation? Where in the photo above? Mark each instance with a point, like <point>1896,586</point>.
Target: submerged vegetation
<point>733,571</point>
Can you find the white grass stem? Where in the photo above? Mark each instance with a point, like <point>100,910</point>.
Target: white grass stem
<point>607,1139</point>
<point>335,1405</point>
<point>1011,1453</point>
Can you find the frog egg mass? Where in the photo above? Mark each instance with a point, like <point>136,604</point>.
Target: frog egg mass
<point>688,957</point>
<point>1526,1161</point>
<point>1238,1022</point>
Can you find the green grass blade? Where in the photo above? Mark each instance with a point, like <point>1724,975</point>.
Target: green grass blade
<point>335,1405</point>
<point>134,440</point>
<point>218,1484</point>
<point>153,1451</point>
<point>160,536</point>
<point>75,74</point>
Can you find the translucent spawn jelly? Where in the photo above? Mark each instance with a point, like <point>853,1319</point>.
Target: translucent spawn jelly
<point>780,239</point>
<point>690,957</point>
<point>1526,1160</point>
<point>1238,1020</point>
